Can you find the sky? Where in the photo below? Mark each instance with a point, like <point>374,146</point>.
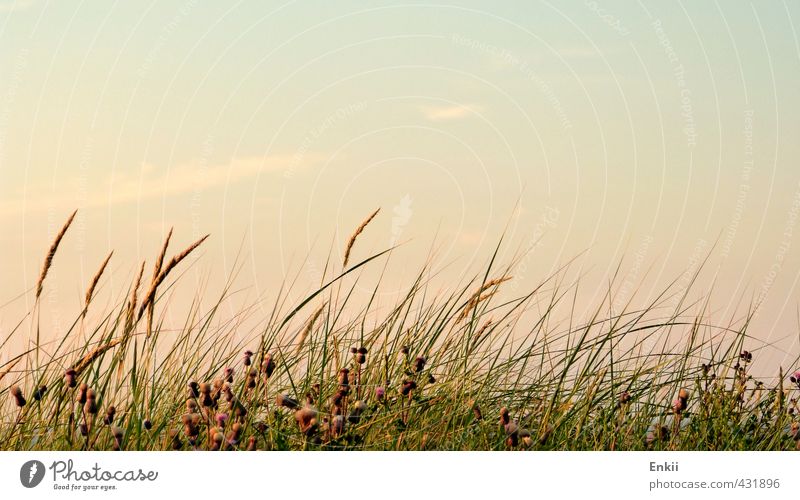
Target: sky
<point>643,138</point>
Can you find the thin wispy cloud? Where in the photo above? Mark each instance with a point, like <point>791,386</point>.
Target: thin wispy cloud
<point>152,181</point>
<point>16,5</point>
<point>454,112</point>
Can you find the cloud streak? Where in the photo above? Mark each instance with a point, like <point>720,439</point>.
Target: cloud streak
<point>454,112</point>
<point>152,182</point>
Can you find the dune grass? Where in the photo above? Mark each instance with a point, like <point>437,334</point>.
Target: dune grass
<point>468,368</point>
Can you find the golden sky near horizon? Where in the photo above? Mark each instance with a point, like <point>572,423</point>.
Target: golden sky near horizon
<point>651,133</point>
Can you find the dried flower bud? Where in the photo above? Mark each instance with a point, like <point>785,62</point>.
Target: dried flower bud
<point>419,364</point>
<point>38,394</point>
<point>235,434</point>
<point>194,389</point>
<point>147,424</point>
<point>16,393</point>
<point>70,379</point>
<point>343,377</point>
<point>286,402</point>
<point>683,394</point>
<point>678,406</point>
<point>407,387</point>
<point>248,354</point>
<point>525,437</point>
<point>221,419</point>
<point>505,419</point>
<point>380,393</point>
<point>306,419</point>
<point>175,443</point>
<point>81,397</point>
<point>251,443</point>
<point>512,434</point>
<point>91,403</point>
<point>110,413</point>
<point>476,410</point>
<point>117,433</point>
<point>228,375</point>
<point>267,365</point>
<point>337,426</point>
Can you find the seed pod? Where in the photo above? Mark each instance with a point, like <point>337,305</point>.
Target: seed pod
<point>228,376</point>
<point>683,394</point>
<point>419,364</point>
<point>251,443</point>
<point>147,424</point>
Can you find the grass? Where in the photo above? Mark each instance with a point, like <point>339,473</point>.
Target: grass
<point>468,368</point>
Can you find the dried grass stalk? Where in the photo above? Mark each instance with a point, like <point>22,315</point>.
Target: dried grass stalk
<point>10,366</point>
<point>307,330</point>
<point>92,355</point>
<point>151,293</point>
<point>95,281</point>
<point>48,261</point>
<point>477,297</point>
<point>354,236</point>
<point>134,296</point>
